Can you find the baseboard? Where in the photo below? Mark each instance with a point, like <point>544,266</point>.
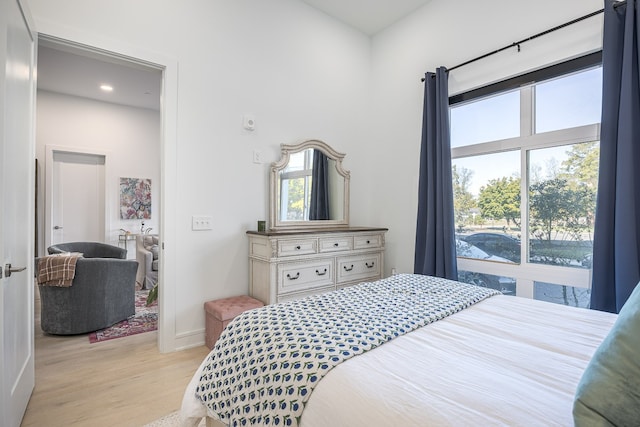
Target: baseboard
<point>189,339</point>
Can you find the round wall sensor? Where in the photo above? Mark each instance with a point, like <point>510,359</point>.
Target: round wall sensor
<point>249,123</point>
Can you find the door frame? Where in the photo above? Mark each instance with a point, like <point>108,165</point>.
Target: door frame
<point>50,152</point>
<point>167,275</point>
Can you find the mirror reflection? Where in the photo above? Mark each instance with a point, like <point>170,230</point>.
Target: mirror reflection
<point>308,187</point>
<point>311,188</point>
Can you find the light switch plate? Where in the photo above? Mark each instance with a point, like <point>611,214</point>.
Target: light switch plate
<point>201,222</point>
<point>257,156</point>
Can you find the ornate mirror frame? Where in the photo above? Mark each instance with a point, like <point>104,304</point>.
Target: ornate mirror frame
<point>274,188</point>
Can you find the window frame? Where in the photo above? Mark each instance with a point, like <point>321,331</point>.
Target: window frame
<point>526,273</point>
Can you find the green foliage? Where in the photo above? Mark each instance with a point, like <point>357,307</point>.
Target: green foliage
<point>463,200</point>
<point>563,208</point>
<point>582,164</point>
<point>500,199</point>
<point>558,206</point>
<point>153,295</point>
<point>295,206</point>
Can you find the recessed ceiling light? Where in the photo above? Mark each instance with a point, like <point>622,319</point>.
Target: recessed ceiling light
<point>106,88</point>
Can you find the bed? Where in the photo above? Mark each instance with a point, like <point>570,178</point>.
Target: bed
<point>488,360</point>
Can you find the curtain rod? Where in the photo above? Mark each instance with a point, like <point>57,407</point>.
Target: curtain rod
<point>535,36</point>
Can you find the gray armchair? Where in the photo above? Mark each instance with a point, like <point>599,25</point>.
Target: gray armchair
<point>102,292</point>
<point>147,256</point>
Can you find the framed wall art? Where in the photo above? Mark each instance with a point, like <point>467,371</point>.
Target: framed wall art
<point>135,198</point>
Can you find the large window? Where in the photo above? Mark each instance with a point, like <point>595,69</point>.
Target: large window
<point>525,170</point>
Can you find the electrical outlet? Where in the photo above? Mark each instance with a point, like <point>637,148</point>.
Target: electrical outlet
<point>257,156</point>
<point>201,222</point>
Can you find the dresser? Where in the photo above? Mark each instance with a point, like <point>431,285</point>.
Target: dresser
<point>285,265</point>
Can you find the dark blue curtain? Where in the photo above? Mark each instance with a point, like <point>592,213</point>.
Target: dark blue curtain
<point>616,245</point>
<point>319,205</point>
<point>435,252</point>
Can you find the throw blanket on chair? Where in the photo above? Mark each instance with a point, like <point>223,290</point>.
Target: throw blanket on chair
<point>58,269</point>
<point>267,361</point>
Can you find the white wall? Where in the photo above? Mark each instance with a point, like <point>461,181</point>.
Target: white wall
<point>447,33</point>
<point>302,74</point>
<point>130,136</point>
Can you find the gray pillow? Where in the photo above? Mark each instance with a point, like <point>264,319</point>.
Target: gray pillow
<point>608,393</point>
<point>154,251</point>
<point>147,241</point>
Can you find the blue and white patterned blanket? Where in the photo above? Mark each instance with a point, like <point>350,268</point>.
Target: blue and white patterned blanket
<point>268,360</point>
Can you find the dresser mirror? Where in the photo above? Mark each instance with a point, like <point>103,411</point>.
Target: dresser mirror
<point>308,188</point>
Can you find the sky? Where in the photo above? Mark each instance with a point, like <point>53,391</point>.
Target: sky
<point>561,103</point>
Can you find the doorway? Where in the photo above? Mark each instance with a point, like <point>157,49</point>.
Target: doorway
<point>75,197</point>
<point>86,154</point>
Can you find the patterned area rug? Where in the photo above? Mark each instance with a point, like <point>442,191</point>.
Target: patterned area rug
<point>145,320</point>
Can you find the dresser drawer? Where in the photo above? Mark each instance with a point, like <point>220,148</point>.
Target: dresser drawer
<point>369,241</point>
<point>360,267</point>
<point>298,295</point>
<point>300,276</point>
<point>335,244</point>
<point>297,247</point>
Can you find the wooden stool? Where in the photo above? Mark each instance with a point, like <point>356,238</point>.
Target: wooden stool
<point>220,312</point>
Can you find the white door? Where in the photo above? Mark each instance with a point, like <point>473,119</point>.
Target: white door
<point>77,199</point>
<point>17,193</point>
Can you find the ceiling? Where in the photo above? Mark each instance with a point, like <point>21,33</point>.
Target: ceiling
<point>368,16</point>
<point>79,72</point>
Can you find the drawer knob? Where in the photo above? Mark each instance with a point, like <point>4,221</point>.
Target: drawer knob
<point>368,241</point>
<point>290,277</point>
<point>348,268</point>
<point>336,244</point>
<point>323,272</point>
<point>298,247</point>
<point>370,266</point>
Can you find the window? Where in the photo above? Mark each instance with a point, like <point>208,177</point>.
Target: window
<point>506,285</point>
<point>497,117</point>
<point>569,101</point>
<point>295,185</point>
<point>562,294</point>
<point>525,171</point>
<point>562,200</point>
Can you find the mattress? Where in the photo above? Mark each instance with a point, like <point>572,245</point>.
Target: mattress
<point>503,361</point>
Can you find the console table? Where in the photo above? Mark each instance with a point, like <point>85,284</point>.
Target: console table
<point>124,239</point>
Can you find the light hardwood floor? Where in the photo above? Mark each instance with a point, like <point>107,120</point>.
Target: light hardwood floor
<point>122,382</point>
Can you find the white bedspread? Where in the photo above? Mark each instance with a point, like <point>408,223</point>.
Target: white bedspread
<point>504,361</point>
